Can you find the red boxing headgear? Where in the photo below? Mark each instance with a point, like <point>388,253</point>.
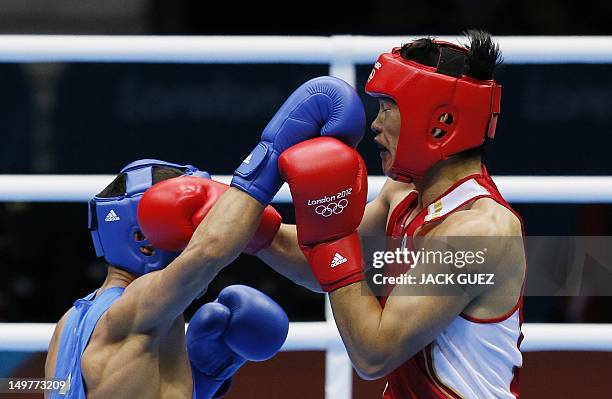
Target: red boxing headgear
<point>424,95</point>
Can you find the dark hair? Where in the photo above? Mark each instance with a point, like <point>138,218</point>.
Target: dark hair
<point>117,187</point>
<point>483,56</point>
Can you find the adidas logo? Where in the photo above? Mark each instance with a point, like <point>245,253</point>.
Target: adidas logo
<point>338,260</point>
<point>247,160</point>
<point>112,216</point>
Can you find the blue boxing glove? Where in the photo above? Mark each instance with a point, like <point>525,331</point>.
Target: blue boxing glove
<point>324,106</point>
<point>242,324</point>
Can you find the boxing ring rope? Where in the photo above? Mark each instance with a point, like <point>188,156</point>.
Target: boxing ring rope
<point>278,49</point>
<point>342,53</point>
<point>319,336</point>
<point>516,189</point>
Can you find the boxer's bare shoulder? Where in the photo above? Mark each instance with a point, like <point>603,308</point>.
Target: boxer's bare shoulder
<point>395,192</point>
<point>483,217</point>
<point>377,211</point>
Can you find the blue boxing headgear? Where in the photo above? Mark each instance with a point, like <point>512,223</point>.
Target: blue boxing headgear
<point>113,221</point>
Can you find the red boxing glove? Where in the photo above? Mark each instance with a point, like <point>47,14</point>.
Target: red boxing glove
<point>171,210</point>
<point>329,186</point>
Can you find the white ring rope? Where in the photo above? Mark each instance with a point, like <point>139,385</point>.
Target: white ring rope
<point>321,336</point>
<point>278,49</point>
<point>516,189</point>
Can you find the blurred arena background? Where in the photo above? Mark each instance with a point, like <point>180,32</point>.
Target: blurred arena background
<point>93,118</point>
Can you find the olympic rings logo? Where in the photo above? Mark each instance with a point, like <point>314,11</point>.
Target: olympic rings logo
<point>333,208</point>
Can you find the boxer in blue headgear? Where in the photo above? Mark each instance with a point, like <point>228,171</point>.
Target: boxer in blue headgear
<point>127,339</point>
<point>113,219</point>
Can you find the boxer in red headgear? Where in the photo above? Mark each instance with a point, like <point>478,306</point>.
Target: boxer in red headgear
<point>438,106</point>
<point>443,112</point>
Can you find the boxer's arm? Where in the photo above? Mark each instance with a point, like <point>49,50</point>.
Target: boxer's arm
<point>374,220</point>
<point>376,215</point>
<point>52,350</point>
<point>154,300</point>
<point>285,256</point>
<point>378,339</point>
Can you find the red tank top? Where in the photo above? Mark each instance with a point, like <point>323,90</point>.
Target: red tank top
<point>432,373</point>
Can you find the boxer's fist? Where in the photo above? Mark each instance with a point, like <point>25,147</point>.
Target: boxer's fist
<point>323,106</point>
<point>206,351</point>
<point>328,183</point>
<point>171,210</point>
<point>258,326</point>
<point>242,324</point>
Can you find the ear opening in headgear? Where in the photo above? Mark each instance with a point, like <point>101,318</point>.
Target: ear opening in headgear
<point>438,133</point>
<point>146,249</point>
<point>138,236</point>
<point>446,118</point>
<point>148,252</point>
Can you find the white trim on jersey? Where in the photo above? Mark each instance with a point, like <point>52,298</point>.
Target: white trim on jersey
<point>464,192</point>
